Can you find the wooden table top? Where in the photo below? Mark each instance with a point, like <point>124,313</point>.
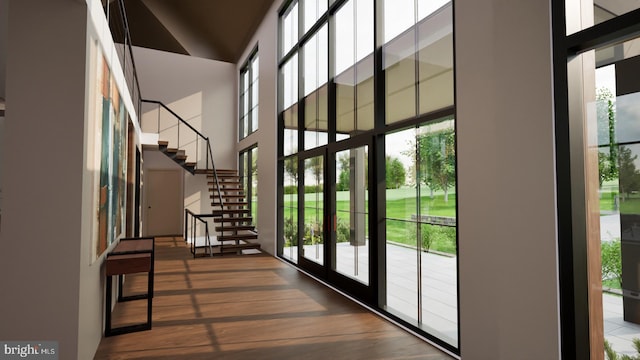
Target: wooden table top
<point>133,246</point>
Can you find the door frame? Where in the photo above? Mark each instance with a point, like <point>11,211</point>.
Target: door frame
<point>364,292</point>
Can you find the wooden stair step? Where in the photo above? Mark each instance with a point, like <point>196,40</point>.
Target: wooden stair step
<point>239,247</point>
<point>231,211</point>
<point>190,164</point>
<point>235,228</point>
<point>227,202</point>
<point>235,237</point>
<point>233,220</point>
<point>231,196</point>
<point>163,143</point>
<point>227,189</point>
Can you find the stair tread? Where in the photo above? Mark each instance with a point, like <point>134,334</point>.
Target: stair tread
<point>163,143</point>
<point>233,220</point>
<point>237,237</point>
<point>235,228</point>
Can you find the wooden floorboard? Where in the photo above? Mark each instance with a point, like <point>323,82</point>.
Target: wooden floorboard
<point>249,307</point>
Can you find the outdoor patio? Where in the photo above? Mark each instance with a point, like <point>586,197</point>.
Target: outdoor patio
<point>439,301</point>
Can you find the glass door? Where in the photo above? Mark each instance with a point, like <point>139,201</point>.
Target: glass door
<point>334,242</point>
<point>350,202</point>
<point>313,211</point>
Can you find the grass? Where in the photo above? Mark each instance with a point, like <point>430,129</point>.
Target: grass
<point>401,205</point>
<point>611,284</point>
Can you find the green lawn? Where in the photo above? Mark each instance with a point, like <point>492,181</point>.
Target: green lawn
<point>401,205</point>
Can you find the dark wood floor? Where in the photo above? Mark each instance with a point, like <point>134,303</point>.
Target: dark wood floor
<point>249,307</point>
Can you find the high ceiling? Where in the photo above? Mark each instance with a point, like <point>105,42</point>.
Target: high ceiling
<point>213,29</point>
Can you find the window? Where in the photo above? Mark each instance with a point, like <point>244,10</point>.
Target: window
<point>249,180</point>
<point>249,96</point>
<point>598,239</point>
<point>339,134</point>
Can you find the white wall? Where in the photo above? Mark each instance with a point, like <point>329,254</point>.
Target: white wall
<point>52,280</point>
<point>506,181</point>
<point>194,87</point>
<point>41,237</point>
<point>266,137</point>
<point>203,93</point>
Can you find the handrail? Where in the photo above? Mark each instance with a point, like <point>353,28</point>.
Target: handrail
<point>176,115</point>
<point>127,33</point>
<point>140,100</point>
<point>209,150</point>
<point>198,217</point>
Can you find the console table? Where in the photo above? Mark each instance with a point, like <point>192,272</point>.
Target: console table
<point>131,255</point>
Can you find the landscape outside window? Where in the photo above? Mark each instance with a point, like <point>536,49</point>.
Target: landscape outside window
<point>332,119</point>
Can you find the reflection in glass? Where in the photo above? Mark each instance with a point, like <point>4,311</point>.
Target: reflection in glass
<point>422,56</point>
<point>351,246</point>
<point>253,172</point>
<point>400,77</point>
<point>313,10</point>
<point>290,229</point>
<point>289,25</point>
<point>289,77</point>
<point>435,61</point>
<point>603,10</point>
<point>313,237</point>
<point>354,68</point>
<point>316,118</point>
<point>290,117</point>
<point>609,111</point>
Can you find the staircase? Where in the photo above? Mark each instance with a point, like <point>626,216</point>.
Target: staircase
<point>231,215</point>
<point>231,210</point>
<point>177,155</point>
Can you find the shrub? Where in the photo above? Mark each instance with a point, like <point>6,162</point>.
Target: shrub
<point>343,232</point>
<point>611,260</point>
<point>439,238</point>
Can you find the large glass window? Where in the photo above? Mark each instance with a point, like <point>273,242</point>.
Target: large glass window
<point>353,64</point>
<point>418,60</point>
<point>249,97</point>
<point>316,68</point>
<point>314,209</point>
<point>336,128</point>
<point>604,124</point>
<point>421,227</point>
<point>602,10</point>
<point>289,29</point>
<point>351,245</point>
<point>249,180</point>
<point>290,210</point>
<point>288,100</point>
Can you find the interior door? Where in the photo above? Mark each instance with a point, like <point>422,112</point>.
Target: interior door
<point>163,202</point>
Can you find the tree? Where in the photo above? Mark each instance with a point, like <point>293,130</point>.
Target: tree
<point>629,175</point>
<point>343,177</point>
<point>437,159</point>
<point>291,168</point>
<point>395,173</point>
<point>605,171</point>
<point>606,124</point>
